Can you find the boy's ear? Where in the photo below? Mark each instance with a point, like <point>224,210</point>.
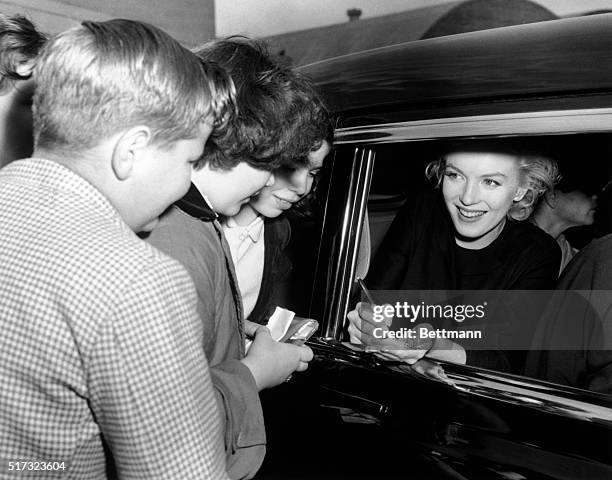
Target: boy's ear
<point>520,193</point>
<point>128,147</point>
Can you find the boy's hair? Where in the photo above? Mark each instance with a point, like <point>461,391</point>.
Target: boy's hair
<point>281,117</point>
<point>95,80</point>
<point>20,42</point>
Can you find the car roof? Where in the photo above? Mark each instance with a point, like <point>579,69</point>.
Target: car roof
<point>529,64</point>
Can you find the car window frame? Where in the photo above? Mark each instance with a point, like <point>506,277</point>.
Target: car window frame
<point>364,140</point>
<point>550,122</point>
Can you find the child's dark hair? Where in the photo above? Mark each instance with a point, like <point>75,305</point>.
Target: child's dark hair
<point>279,119</point>
<point>20,42</point>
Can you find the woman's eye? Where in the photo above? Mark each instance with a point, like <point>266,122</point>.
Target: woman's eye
<point>313,173</point>
<point>451,175</point>
<point>491,183</point>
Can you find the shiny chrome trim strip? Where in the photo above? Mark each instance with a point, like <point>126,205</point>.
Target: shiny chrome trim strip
<point>532,393</point>
<point>530,123</point>
<point>352,223</point>
<point>360,203</point>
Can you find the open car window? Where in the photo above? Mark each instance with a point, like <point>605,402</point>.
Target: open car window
<point>398,181</point>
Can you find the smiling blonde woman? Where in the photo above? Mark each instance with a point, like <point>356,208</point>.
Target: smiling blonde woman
<point>469,233</point>
<point>472,236</point>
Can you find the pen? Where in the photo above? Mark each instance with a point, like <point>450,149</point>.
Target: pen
<point>365,291</point>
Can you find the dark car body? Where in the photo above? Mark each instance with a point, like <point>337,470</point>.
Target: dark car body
<point>357,416</point>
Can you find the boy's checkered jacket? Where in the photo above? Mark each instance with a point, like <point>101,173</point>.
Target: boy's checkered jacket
<point>99,339</point>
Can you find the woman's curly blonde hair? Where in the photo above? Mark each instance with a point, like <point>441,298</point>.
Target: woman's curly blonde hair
<point>538,175</point>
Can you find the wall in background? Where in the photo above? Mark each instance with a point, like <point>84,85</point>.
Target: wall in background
<point>190,21</point>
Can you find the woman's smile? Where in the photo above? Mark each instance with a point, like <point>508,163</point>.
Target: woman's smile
<point>282,203</point>
<point>470,215</point>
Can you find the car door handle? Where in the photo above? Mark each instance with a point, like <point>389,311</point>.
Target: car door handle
<point>353,408</point>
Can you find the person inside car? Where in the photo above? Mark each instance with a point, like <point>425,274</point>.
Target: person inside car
<point>261,265</point>
<point>20,43</point>
<point>573,342</point>
<point>472,236</point>
<point>238,162</point>
<point>567,205</point>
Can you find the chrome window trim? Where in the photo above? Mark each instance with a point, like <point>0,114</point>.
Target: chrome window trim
<point>531,393</point>
<point>530,123</point>
<point>350,234</point>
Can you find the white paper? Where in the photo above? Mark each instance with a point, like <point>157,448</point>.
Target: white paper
<point>278,324</point>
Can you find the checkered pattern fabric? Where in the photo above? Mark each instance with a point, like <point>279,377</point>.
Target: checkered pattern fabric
<point>99,339</point>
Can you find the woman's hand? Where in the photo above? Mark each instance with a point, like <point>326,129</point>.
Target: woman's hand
<point>363,328</point>
<point>431,369</point>
<point>448,351</point>
<point>362,324</point>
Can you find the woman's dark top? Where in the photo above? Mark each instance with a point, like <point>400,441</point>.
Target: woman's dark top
<point>420,253</point>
